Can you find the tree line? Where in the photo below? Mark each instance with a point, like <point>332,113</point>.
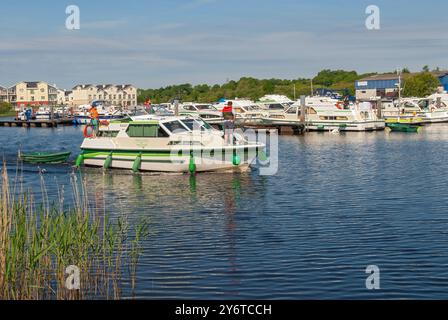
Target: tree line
<point>341,81</point>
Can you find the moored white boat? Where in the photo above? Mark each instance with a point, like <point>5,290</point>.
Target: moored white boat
<point>82,116</point>
<point>166,144</point>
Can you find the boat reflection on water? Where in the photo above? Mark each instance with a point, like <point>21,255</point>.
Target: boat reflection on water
<point>193,218</point>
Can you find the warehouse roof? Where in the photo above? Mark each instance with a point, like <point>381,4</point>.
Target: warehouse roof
<point>394,76</point>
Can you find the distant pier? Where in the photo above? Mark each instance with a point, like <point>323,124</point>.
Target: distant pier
<point>37,123</point>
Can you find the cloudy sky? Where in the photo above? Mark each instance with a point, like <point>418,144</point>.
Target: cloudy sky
<point>153,43</point>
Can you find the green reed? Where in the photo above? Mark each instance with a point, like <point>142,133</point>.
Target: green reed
<point>38,243</point>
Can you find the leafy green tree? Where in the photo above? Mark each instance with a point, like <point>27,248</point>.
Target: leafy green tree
<point>420,85</point>
<point>425,68</point>
<point>6,108</point>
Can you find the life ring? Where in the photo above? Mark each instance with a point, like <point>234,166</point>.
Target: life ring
<point>433,109</point>
<point>86,131</point>
<point>339,105</point>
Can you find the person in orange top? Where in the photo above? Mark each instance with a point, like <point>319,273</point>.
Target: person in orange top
<point>94,116</point>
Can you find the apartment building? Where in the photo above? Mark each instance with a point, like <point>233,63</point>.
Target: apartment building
<point>118,95</point>
<point>32,94</point>
<point>3,94</point>
<point>39,93</point>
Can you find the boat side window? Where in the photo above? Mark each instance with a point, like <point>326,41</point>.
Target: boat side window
<point>293,111</point>
<point>161,133</point>
<point>143,130</point>
<point>174,126</point>
<point>276,106</point>
<point>108,134</point>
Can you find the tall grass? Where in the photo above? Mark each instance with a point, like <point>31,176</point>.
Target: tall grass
<point>39,242</point>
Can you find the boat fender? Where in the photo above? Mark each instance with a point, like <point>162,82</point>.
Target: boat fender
<point>261,155</point>
<point>192,165</point>
<point>236,160</point>
<point>79,161</point>
<point>89,133</point>
<point>104,123</point>
<point>137,163</point>
<point>108,161</point>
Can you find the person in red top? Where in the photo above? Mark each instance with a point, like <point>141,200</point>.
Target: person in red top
<point>229,122</point>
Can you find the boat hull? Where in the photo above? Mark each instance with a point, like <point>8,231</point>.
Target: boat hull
<point>50,158</point>
<point>346,126</point>
<point>170,162</point>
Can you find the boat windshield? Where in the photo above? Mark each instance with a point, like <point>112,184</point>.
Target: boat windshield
<point>175,126</point>
<point>276,106</point>
<point>193,124</point>
<point>293,110</point>
<point>252,108</point>
<point>205,107</point>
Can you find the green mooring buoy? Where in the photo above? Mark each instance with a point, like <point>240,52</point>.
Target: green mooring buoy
<point>192,165</point>
<point>236,160</point>
<point>79,161</point>
<point>108,161</point>
<point>137,163</point>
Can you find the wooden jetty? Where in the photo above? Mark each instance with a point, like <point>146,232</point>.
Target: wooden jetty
<point>37,123</point>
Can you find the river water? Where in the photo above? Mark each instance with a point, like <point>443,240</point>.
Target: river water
<point>338,204</point>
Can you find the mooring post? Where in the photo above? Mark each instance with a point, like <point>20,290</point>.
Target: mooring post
<point>303,110</point>
<point>176,107</point>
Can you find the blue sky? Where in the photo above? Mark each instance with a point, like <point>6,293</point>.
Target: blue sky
<point>154,43</point>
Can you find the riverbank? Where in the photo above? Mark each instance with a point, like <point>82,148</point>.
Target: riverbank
<point>7,114</point>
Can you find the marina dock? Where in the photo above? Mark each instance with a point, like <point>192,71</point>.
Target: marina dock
<point>37,123</point>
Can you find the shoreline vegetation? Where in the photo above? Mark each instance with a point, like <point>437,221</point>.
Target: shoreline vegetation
<point>43,246</point>
<point>415,84</point>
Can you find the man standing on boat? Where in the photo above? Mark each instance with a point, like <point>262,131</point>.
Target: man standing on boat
<point>94,116</point>
<point>229,122</point>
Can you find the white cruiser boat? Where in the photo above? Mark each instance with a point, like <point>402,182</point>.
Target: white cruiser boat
<point>44,113</point>
<point>246,112</point>
<point>166,144</point>
<point>82,116</point>
<point>358,118</point>
<point>417,111</point>
<point>274,103</point>
<point>204,110</point>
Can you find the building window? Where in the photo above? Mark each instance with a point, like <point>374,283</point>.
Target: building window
<point>42,90</point>
<point>42,98</point>
<point>32,98</point>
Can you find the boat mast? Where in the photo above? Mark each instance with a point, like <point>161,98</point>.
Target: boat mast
<point>399,94</point>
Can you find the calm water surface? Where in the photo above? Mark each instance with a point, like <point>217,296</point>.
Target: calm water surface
<point>338,204</point>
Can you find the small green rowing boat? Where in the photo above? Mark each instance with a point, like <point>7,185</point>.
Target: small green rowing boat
<point>401,127</point>
<point>45,157</point>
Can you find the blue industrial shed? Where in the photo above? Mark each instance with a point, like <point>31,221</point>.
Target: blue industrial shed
<point>388,82</point>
